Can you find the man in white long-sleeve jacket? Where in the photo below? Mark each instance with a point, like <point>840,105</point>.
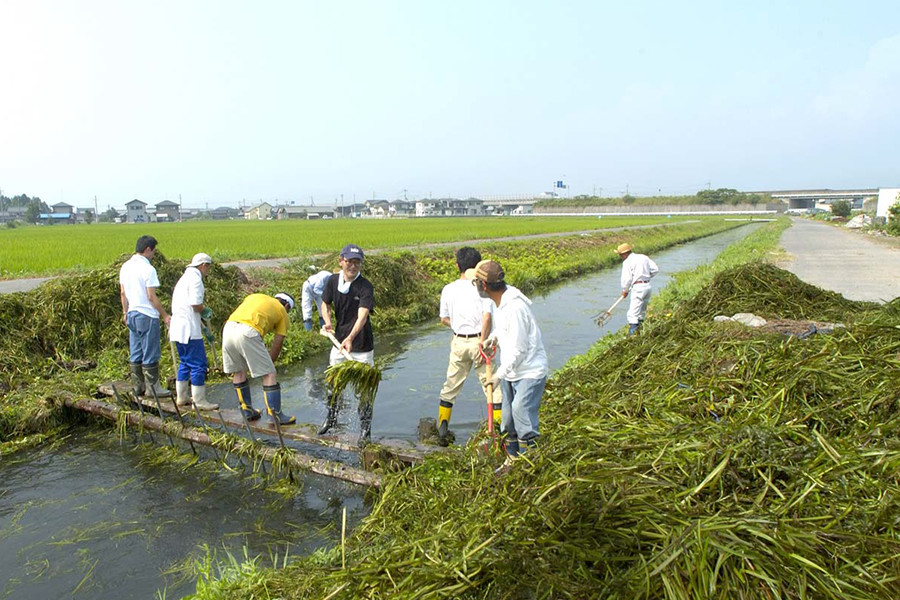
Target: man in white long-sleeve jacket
<point>637,270</point>
<point>523,369</point>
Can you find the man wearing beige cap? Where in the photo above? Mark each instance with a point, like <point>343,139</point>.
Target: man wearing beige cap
<point>523,369</point>
<point>186,332</point>
<point>637,270</point>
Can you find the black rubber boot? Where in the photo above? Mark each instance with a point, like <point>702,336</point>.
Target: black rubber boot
<point>137,379</point>
<point>243,393</point>
<point>331,419</point>
<point>151,377</point>
<point>272,397</point>
<point>365,424</point>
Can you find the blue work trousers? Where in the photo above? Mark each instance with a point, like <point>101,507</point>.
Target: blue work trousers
<point>521,401</point>
<point>192,362</point>
<point>143,338</point>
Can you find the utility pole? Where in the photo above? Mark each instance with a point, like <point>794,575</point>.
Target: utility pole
<point>342,205</point>
<point>96,213</point>
<point>180,218</point>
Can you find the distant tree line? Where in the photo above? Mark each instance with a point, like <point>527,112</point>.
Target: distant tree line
<point>33,206</point>
<point>713,197</point>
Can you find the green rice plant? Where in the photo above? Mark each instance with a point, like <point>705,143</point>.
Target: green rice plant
<point>29,251</point>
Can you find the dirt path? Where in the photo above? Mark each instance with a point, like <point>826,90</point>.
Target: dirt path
<point>8,286</point>
<point>842,261</point>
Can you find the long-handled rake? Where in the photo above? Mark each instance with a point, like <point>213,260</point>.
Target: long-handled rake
<point>603,317</point>
<point>492,435</point>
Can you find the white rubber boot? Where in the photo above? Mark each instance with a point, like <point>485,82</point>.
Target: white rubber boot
<point>199,394</point>
<point>182,392</point>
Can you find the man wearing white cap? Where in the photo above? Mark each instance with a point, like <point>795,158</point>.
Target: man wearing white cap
<point>186,332</point>
<point>244,351</point>
<point>637,270</point>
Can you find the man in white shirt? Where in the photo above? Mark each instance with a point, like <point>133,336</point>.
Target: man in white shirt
<point>141,312</point>
<point>311,293</point>
<point>469,317</point>
<point>523,369</point>
<point>186,332</point>
<point>637,270</point>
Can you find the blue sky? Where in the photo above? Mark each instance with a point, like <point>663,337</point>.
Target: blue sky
<point>224,101</point>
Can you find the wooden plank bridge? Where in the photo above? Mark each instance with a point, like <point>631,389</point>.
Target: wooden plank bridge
<point>385,453</point>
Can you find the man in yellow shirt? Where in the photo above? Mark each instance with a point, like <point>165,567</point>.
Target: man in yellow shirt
<point>243,350</point>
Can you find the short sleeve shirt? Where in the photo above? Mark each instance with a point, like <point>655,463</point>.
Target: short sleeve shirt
<point>346,308</point>
<point>135,276</point>
<point>188,292</point>
<point>461,303</point>
<point>263,313</point>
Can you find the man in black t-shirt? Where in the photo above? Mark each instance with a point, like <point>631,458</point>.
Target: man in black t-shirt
<point>352,298</point>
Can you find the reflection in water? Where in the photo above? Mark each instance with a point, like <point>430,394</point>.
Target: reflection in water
<point>417,359</point>
<point>113,521</point>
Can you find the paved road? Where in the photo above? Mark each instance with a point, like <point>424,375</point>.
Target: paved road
<point>842,261</point>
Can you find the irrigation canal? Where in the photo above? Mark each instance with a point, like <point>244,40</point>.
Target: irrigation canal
<point>97,518</point>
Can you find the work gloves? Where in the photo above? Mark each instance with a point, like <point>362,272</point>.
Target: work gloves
<point>208,334</point>
<point>206,313</point>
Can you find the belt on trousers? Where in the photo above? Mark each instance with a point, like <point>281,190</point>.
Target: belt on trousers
<point>641,281</point>
<point>466,335</point>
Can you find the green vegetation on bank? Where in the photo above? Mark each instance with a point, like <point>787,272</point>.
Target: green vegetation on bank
<point>697,460</point>
<point>47,250</point>
<point>48,335</point>
<point>721,196</point>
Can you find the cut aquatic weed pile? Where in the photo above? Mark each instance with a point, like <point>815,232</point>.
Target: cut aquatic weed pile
<point>697,460</point>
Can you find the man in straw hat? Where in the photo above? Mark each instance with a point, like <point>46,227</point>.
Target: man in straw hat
<point>352,297</point>
<point>186,332</point>
<point>243,350</point>
<point>637,270</point>
<point>141,313</point>
<point>523,369</point>
<point>469,317</point>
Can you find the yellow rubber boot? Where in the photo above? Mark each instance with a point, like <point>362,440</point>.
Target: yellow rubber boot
<point>444,410</point>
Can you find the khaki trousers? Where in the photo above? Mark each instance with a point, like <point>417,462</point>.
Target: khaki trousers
<point>463,356</point>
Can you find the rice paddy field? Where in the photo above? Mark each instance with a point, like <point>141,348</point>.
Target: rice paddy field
<point>50,250</point>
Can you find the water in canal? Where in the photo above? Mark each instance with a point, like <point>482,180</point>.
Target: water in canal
<point>417,364</point>
<point>93,518</point>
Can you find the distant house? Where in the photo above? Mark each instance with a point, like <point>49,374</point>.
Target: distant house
<point>167,211</point>
<point>354,210</point>
<point>13,213</point>
<point>63,208</point>
<point>378,208</point>
<point>402,208</point>
<point>225,212</point>
<point>81,215</point>
<point>428,208</point>
<point>56,218</point>
<point>136,212</point>
<point>261,212</point>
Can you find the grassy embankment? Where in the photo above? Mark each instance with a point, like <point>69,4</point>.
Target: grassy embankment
<point>33,251</point>
<point>694,461</point>
<point>45,333</point>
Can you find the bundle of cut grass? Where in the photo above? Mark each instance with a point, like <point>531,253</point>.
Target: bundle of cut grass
<point>363,378</point>
<point>768,291</point>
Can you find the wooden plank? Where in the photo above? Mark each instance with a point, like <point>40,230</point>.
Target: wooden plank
<point>297,459</point>
<point>400,450</point>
